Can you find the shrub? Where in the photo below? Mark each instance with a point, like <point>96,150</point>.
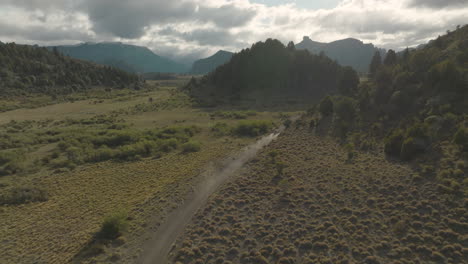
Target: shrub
<point>461,138</point>
<point>409,149</point>
<point>220,129</point>
<point>326,106</point>
<point>11,162</point>
<point>169,144</point>
<point>191,146</point>
<point>273,154</point>
<point>21,195</point>
<point>344,108</point>
<point>252,128</point>
<point>113,225</point>
<point>393,143</point>
<point>101,154</point>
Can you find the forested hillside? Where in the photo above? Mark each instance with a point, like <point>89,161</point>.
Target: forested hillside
<point>126,57</point>
<point>269,72</point>
<point>417,103</point>
<point>31,69</point>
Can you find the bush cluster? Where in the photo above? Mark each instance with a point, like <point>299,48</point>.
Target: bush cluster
<point>233,114</point>
<point>409,143</point>
<point>126,144</point>
<point>113,225</point>
<point>21,195</point>
<point>252,128</point>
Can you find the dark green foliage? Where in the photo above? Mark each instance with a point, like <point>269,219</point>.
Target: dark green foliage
<point>344,108</point>
<point>447,77</point>
<point>11,162</point>
<point>390,58</point>
<point>233,114</point>
<point>461,138</point>
<point>375,64</point>
<point>348,82</point>
<point>191,146</point>
<point>95,146</point>
<point>270,72</point>
<point>429,83</point>
<point>21,195</point>
<point>411,147</point>
<point>113,225</point>
<point>326,106</point>
<point>252,128</point>
<point>408,144</point>
<point>393,143</point>
<point>30,69</point>
<point>220,129</point>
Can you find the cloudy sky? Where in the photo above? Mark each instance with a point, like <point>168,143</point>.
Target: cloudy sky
<point>189,29</point>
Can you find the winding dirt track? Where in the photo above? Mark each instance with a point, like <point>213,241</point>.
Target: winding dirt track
<point>158,248</point>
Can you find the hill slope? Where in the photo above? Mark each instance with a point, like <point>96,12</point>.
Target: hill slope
<point>269,73</point>
<point>126,57</point>
<point>347,52</point>
<point>414,105</point>
<point>207,65</point>
<point>30,69</point>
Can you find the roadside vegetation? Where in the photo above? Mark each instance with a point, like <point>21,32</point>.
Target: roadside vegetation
<point>73,165</point>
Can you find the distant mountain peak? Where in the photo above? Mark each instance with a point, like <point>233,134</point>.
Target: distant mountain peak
<point>347,52</point>
<point>207,65</point>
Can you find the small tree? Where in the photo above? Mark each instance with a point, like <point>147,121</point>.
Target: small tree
<point>349,81</point>
<point>113,225</point>
<point>326,106</point>
<point>345,108</point>
<point>461,138</point>
<point>375,64</point>
<point>280,166</point>
<point>390,58</point>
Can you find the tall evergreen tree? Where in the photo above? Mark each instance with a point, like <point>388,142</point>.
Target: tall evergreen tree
<point>376,62</point>
<point>390,58</point>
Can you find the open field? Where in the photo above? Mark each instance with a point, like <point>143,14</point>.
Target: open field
<point>70,165</point>
<point>306,200</point>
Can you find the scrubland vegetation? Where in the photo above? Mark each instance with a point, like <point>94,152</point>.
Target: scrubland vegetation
<point>302,201</point>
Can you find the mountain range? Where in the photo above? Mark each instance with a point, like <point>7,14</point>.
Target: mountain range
<point>137,59</point>
<point>347,52</point>
<point>127,57</point>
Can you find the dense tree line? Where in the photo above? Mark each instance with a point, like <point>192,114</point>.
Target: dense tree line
<point>271,72</point>
<point>32,69</point>
<point>414,100</point>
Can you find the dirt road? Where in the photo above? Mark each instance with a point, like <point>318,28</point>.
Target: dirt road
<point>158,248</point>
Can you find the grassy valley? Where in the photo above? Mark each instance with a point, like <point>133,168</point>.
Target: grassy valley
<point>66,167</point>
<point>276,156</point>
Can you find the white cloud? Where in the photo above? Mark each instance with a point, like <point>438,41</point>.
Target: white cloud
<point>193,28</point>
